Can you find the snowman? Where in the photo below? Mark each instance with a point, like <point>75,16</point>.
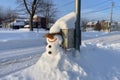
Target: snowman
<point>54,37</point>
<point>54,43</point>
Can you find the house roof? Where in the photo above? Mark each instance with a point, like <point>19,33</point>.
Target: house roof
<point>92,23</point>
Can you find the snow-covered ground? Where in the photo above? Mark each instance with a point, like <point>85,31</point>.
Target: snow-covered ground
<point>19,49</point>
<point>23,57</point>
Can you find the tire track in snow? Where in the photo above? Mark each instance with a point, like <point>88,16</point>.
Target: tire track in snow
<point>19,59</point>
<point>106,39</point>
<point>19,55</point>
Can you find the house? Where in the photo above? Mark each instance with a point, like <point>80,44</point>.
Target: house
<point>6,23</point>
<point>99,26</point>
<point>18,23</point>
<point>91,25</point>
<point>43,22</point>
<point>115,26</point>
<point>38,22</point>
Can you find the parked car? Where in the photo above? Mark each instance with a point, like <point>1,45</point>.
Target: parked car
<point>18,23</point>
<point>0,25</point>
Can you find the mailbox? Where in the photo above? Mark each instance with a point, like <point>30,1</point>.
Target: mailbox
<point>66,25</point>
<point>68,38</point>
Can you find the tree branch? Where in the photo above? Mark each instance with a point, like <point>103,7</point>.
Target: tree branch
<point>27,7</point>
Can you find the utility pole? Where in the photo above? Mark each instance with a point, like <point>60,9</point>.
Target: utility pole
<point>77,26</point>
<point>111,14</point>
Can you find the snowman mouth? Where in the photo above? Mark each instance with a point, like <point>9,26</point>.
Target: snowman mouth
<point>52,40</point>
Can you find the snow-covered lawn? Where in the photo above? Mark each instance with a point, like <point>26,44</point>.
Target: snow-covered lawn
<point>98,58</point>
<point>19,49</point>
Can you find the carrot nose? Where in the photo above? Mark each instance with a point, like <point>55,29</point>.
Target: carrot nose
<point>50,36</point>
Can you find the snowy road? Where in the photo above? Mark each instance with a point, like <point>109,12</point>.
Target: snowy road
<point>15,50</point>
<point>14,54</point>
<point>25,57</point>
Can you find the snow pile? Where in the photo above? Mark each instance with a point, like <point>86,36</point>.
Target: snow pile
<point>97,61</point>
<point>100,63</point>
<point>93,63</point>
<point>51,67</point>
<point>66,22</point>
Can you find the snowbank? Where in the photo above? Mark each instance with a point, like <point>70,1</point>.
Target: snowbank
<point>96,61</point>
<point>66,22</point>
<point>57,67</point>
<point>22,34</point>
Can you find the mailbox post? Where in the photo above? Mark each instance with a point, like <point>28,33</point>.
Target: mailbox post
<point>66,25</point>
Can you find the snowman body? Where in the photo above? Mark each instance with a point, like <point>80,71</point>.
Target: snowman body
<point>54,45</point>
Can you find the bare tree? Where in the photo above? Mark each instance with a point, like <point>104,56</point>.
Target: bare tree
<point>1,14</point>
<point>84,23</point>
<point>97,26</point>
<point>29,7</point>
<point>49,11</point>
<point>6,14</point>
<point>31,10</point>
<point>40,7</point>
<point>10,14</point>
<point>104,25</point>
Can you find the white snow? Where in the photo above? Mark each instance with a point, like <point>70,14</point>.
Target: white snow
<point>26,26</point>
<point>35,16</point>
<point>19,49</point>
<point>98,58</point>
<point>66,22</point>
<point>12,35</point>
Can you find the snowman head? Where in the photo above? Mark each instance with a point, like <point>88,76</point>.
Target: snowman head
<point>54,39</point>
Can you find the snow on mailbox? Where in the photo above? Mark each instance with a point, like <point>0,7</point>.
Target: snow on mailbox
<point>66,25</point>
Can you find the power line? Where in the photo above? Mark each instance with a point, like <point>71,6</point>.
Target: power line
<point>94,11</point>
<point>110,0</point>
<point>65,11</point>
<point>98,4</point>
<point>66,4</point>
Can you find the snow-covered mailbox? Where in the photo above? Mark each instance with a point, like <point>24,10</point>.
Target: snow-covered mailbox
<point>66,25</point>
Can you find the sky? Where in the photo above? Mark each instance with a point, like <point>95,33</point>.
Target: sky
<point>100,9</point>
<point>90,9</point>
<point>8,4</point>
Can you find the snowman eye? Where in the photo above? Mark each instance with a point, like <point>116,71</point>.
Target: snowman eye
<point>49,46</point>
<point>49,52</point>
